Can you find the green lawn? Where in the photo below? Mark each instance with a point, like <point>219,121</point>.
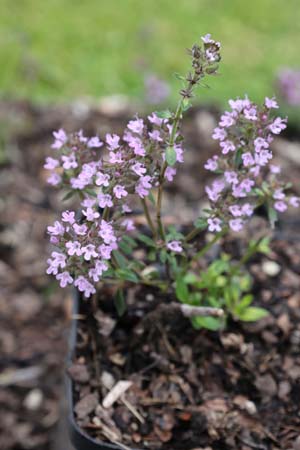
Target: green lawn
<point>54,50</point>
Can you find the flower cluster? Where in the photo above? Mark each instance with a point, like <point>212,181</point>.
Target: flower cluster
<point>246,177</point>
<point>288,82</point>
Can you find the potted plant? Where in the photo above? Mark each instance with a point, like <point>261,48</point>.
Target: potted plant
<point>137,282</point>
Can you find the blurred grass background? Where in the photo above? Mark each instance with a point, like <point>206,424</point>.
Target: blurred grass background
<point>55,50</point>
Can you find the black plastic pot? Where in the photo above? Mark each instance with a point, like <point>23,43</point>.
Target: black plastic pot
<point>80,440</point>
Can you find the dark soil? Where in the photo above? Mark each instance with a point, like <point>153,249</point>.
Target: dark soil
<point>35,314</point>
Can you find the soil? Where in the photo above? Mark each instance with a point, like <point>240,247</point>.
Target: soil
<point>35,314</point>
<point>191,389</point>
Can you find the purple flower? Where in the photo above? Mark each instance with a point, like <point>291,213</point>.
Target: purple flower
<point>112,141</point>
<point>155,135</point>
<point>88,202</point>
<point>170,173</point>
<point>179,153</point>
<point>57,229</point>
<point>96,272</point>
<point>278,194</point>
<point>271,103</point>
<point>102,179</point>
<point>274,169</point>
<point>139,169</point>
<point>105,251</point>
<point>227,119</point>
<point>128,224</point>
<point>84,286</point>
<point>143,186</point>
<point>247,209</point>
<point>64,278</point>
<point>236,224</point>
<point>156,90</point>
<point>119,191</point>
<point>51,163</point>
<point>280,206</point>
<point>94,142</point>
<point>136,126</point>
<point>136,144</point>
<point>69,217</point>
<point>212,164</point>
<point>278,125</point>
<point>263,157</point>
<point>219,134</point>
<point>89,252</point>
<point>235,210</point>
<point>54,179</point>
<point>59,259</point>
<point>106,231</point>
<point>294,201</point>
<point>90,214</point>
<point>250,113</point>
<point>80,230</point>
<point>60,139</point>
<point>214,224</point>
<point>248,159</point>
<point>155,120</point>
<point>227,146</point>
<point>105,200</point>
<point>69,162</point>
<point>175,246</point>
<point>260,143</point>
<point>231,177</point>
<point>115,157</point>
<point>74,248</point>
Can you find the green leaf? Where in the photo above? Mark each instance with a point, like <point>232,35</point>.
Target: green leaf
<point>130,241</point>
<point>243,304</point>
<point>273,217</point>
<point>253,313</point>
<point>122,262</point>
<point>128,275</point>
<point>186,104</point>
<point>120,303</point>
<point>127,249</point>
<point>238,157</point>
<point>163,256</point>
<point>146,240</point>
<point>151,198</point>
<point>181,290</point>
<point>91,192</point>
<point>200,223</point>
<point>211,323</point>
<point>68,195</point>
<point>164,114</point>
<point>171,156</point>
<point>264,245</point>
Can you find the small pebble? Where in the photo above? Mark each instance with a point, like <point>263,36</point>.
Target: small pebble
<point>271,268</point>
<point>33,400</point>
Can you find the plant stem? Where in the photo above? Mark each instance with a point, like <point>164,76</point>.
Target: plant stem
<point>163,170</point>
<point>192,234</point>
<point>148,217</point>
<point>208,245</point>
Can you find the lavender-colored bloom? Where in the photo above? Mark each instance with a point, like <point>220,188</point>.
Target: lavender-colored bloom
<point>136,126</point>
<point>278,125</point>
<point>170,173</point>
<point>179,153</point>
<point>136,144</point>
<point>278,194</point>
<point>214,191</point>
<point>235,210</point>
<point>60,139</point>
<point>250,113</point>
<point>88,202</point>
<point>262,158</point>
<point>105,250</point>
<point>84,286</point>
<point>143,186</point>
<point>227,146</point>
<point>115,157</point>
<point>57,229</point>
<point>69,162</point>
<point>156,90</point>
<point>175,246</point>
<point>280,206</point>
<point>236,224</point>
<point>106,232</point>
<point>128,224</point>
<point>51,163</point>
<point>64,278</point>
<point>74,248</point>
<point>248,159</point>
<point>104,200</point>
<point>231,177</point>
<point>289,86</point>
<point>96,272</point>
<point>90,214</point>
<point>275,169</point>
<point>219,134</point>
<point>80,230</point>
<point>112,141</point>
<point>120,191</point>
<point>227,119</point>
<point>155,120</point>
<point>247,209</point>
<point>59,259</point>
<point>139,169</point>
<point>155,136</point>
<point>102,179</point>
<point>214,224</point>
<point>271,103</point>
<point>54,179</point>
<point>212,163</point>
<point>94,142</point>
<point>260,143</point>
<point>294,201</point>
<point>89,251</point>
<point>69,217</point>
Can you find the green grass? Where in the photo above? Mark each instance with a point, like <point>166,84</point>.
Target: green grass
<point>55,50</point>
